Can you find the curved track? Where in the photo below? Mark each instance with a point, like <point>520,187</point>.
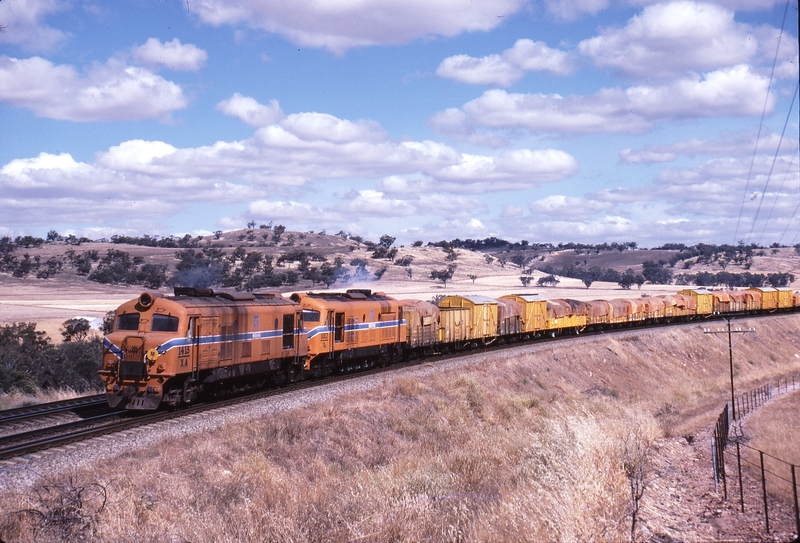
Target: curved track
<point>115,421</point>
<point>44,409</point>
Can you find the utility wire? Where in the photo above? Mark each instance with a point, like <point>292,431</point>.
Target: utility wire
<point>797,208</point>
<point>761,125</point>
<point>769,176</point>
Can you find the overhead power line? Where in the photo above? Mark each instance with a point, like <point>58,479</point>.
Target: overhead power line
<point>761,124</point>
<point>772,166</point>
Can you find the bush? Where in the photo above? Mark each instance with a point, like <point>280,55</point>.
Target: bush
<point>29,361</point>
<point>75,329</point>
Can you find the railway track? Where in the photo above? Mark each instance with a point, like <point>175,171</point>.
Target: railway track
<point>43,409</point>
<point>28,442</point>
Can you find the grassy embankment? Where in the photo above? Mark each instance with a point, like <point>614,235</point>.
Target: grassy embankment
<point>775,430</point>
<point>536,444</point>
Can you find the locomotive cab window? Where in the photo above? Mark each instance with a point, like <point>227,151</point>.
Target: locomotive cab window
<point>192,326</point>
<point>338,328</point>
<point>127,321</point>
<point>311,315</point>
<point>164,323</point>
<point>288,331</point>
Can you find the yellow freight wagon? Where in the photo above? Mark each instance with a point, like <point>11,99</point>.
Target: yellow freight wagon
<point>785,298</point>
<point>560,317</point>
<point>769,297</point>
<point>534,311</point>
<point>704,299</point>
<point>481,317</point>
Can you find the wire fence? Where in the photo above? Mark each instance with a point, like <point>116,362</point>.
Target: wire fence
<point>777,494</point>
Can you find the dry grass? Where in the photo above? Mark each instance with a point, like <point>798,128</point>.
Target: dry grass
<point>774,429</point>
<point>436,468</point>
<point>531,446</point>
<point>17,398</point>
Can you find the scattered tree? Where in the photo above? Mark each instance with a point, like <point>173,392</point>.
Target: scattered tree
<point>380,271</point>
<point>75,329</point>
<point>444,275</point>
<point>277,232</point>
<point>637,465</point>
<point>548,281</point>
<point>656,273</point>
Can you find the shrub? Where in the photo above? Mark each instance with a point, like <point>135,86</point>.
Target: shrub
<point>75,329</point>
<point>29,361</point>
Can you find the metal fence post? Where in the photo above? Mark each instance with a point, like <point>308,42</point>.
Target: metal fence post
<point>796,508</point>
<point>764,489</point>
<point>722,470</point>
<point>714,462</point>
<point>741,486</point>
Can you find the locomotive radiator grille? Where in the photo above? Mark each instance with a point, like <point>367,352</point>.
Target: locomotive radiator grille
<point>133,349</point>
<point>132,365</point>
<point>132,371</point>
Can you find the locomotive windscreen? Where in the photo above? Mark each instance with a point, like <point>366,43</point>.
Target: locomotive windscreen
<point>127,321</point>
<point>164,323</point>
<point>310,315</point>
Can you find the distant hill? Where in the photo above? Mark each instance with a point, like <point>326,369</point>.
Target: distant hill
<point>270,257</point>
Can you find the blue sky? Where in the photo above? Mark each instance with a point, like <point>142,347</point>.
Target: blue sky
<point>554,120</point>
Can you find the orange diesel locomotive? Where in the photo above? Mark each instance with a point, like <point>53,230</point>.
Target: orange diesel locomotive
<point>350,330</point>
<point>170,349</point>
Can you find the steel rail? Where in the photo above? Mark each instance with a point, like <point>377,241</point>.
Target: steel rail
<point>77,431</point>
<point>42,409</point>
<point>80,434</point>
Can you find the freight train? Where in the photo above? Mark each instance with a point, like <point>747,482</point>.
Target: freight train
<point>171,350</point>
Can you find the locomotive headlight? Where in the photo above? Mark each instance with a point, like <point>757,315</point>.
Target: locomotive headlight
<point>152,355</point>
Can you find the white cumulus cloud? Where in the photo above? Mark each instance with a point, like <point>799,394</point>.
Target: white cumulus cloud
<point>25,26</point>
<point>506,68</point>
<point>248,110</point>
<point>172,54</point>
<point>301,148</point>
<point>107,92</point>
<point>339,26</point>
<point>671,38</point>
<point>734,91</point>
